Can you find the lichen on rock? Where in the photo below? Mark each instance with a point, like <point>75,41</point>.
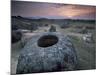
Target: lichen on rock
<point>58,54</point>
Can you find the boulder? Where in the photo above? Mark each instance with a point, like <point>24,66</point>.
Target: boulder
<point>52,29</point>
<point>89,38</point>
<point>47,52</point>
<point>16,36</point>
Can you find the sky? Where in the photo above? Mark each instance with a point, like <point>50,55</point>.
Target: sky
<point>52,10</point>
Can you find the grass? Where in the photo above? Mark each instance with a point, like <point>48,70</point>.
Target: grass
<point>85,53</point>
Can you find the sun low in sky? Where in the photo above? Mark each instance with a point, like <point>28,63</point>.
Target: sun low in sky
<point>52,10</point>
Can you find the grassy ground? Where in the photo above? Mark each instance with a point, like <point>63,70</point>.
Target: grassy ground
<point>85,53</point>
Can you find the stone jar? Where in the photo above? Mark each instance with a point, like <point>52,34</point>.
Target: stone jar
<point>47,52</point>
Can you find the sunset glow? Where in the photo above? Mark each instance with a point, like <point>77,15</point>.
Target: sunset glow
<point>52,10</point>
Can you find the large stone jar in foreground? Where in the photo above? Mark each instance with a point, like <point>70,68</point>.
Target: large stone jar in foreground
<point>47,52</point>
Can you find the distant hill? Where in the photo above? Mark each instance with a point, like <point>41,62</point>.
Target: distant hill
<point>19,22</point>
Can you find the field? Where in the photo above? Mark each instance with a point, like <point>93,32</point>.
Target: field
<point>76,30</point>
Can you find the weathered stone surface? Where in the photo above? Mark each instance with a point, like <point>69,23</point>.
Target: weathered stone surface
<point>52,29</point>
<point>58,56</point>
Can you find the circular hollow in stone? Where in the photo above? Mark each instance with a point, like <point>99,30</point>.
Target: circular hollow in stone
<point>47,40</point>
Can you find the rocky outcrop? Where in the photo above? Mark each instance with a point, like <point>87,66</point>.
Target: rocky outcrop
<point>47,52</point>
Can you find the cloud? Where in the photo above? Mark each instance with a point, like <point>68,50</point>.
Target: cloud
<point>29,9</point>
